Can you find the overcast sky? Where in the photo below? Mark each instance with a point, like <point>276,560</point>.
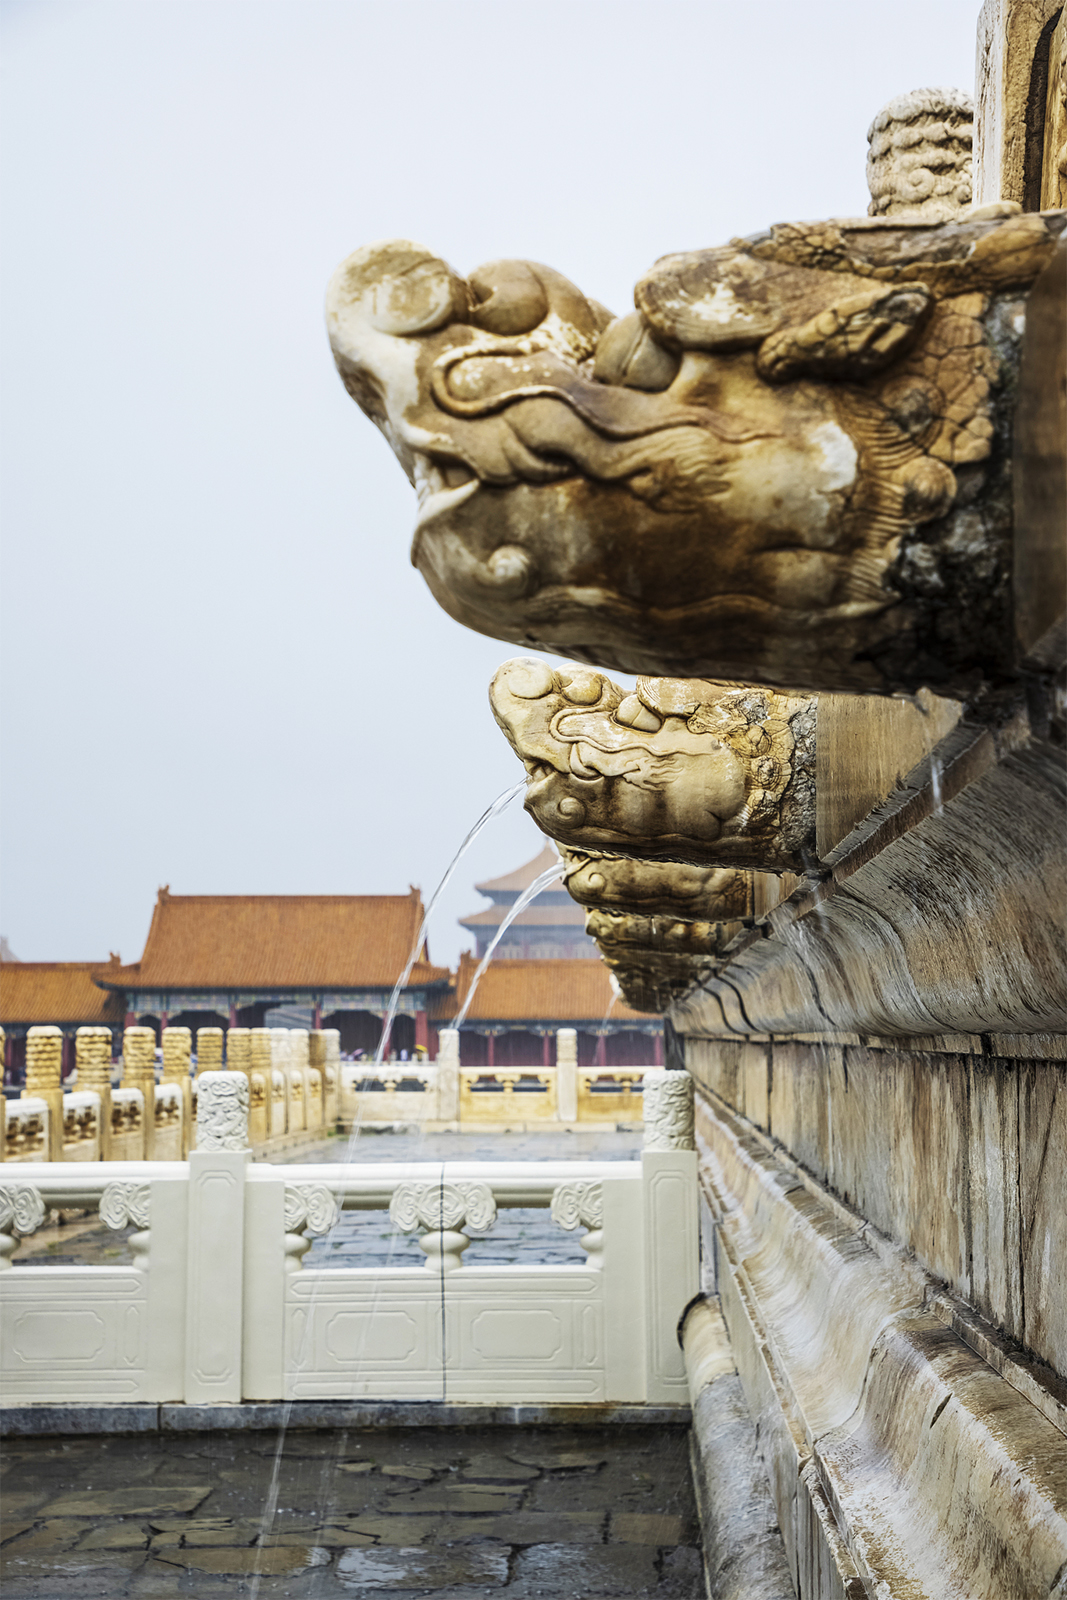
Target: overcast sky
<point>220,670</point>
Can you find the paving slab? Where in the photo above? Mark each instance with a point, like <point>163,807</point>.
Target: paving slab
<point>438,1567</point>
<point>567,1569</point>
<point>443,1514</point>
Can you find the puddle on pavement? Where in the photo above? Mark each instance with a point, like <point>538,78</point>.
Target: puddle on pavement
<point>448,1513</point>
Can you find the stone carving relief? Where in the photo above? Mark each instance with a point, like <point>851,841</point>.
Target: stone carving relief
<point>1054,154</point>
<point>578,1205</point>
<point>123,1204</point>
<point>668,1109</point>
<point>919,157</point>
<point>447,1206</point>
<point>222,1111</point>
<point>601,881</point>
<point>22,1210</point>
<point>682,770</point>
<point>310,1208</point>
<point>657,960</point>
<point>93,1046</point>
<point>788,465</point>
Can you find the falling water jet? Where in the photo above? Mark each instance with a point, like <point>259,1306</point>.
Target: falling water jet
<point>549,875</point>
<point>498,805</point>
<point>616,994</point>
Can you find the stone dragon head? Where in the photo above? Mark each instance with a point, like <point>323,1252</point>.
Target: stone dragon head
<point>766,472</point>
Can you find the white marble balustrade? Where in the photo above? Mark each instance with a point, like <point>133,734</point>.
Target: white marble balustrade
<point>217,1306</point>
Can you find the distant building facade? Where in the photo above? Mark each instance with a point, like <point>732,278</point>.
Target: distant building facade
<point>61,993</point>
<point>552,927</point>
<point>332,961</point>
<point>519,1005</point>
<point>226,960</point>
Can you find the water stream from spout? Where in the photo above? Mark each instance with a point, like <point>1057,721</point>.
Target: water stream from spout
<point>498,805</point>
<point>531,892</point>
<point>270,1507</point>
<point>602,1031</point>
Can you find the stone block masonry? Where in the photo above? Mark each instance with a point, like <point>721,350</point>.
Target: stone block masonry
<point>469,1508</point>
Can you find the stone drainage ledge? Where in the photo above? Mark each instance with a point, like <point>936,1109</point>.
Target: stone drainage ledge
<point>29,1420</point>
<point>899,1460</point>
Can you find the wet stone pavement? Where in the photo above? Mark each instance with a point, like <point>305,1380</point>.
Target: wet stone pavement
<point>452,1514</point>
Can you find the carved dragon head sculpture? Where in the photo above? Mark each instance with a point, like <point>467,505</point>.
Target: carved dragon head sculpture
<point>685,771</point>
<point>783,467</point>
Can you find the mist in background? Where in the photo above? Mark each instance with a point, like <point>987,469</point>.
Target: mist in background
<point>221,671</point>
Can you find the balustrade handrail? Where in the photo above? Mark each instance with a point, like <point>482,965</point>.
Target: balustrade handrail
<point>367,1186</point>
<point>217,1304</point>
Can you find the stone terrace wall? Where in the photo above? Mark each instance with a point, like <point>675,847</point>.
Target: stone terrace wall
<point>956,1156</point>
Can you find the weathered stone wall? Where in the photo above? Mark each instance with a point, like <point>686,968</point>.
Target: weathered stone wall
<point>909,1447</point>
<point>957,1157</point>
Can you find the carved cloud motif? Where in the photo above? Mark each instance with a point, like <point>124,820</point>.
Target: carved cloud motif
<point>439,1206</point>
<point>668,1111</point>
<point>21,1208</point>
<point>578,1205</point>
<point>310,1208</point>
<point>222,1111</point>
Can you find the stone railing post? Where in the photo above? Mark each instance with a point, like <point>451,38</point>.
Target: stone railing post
<point>177,1068</point>
<point>317,1063</point>
<point>44,1080</point>
<point>261,1067</point>
<point>331,1077</point>
<point>672,1250</point>
<point>208,1050</point>
<point>213,1328</point>
<point>139,1072</point>
<point>92,1053</point>
<point>239,1059</point>
<point>448,1076</point>
<point>239,1051</point>
<point>297,1075</point>
<point>261,1051</point>
<point>280,1062</point>
<point>567,1074</point>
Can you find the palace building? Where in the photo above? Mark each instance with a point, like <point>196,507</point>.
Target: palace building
<point>226,960</point>
<point>331,961</point>
<point>60,993</point>
<point>519,1005</point>
<point>552,928</point>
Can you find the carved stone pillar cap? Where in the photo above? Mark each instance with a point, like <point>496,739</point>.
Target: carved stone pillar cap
<point>222,1111</point>
<point>668,1110</point>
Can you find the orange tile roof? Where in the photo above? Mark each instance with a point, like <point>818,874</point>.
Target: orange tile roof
<point>36,992</point>
<point>522,877</point>
<point>277,941</point>
<point>535,916</point>
<point>559,991</point>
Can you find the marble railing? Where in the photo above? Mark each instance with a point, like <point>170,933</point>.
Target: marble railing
<point>409,1092</point>
<point>217,1306</point>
